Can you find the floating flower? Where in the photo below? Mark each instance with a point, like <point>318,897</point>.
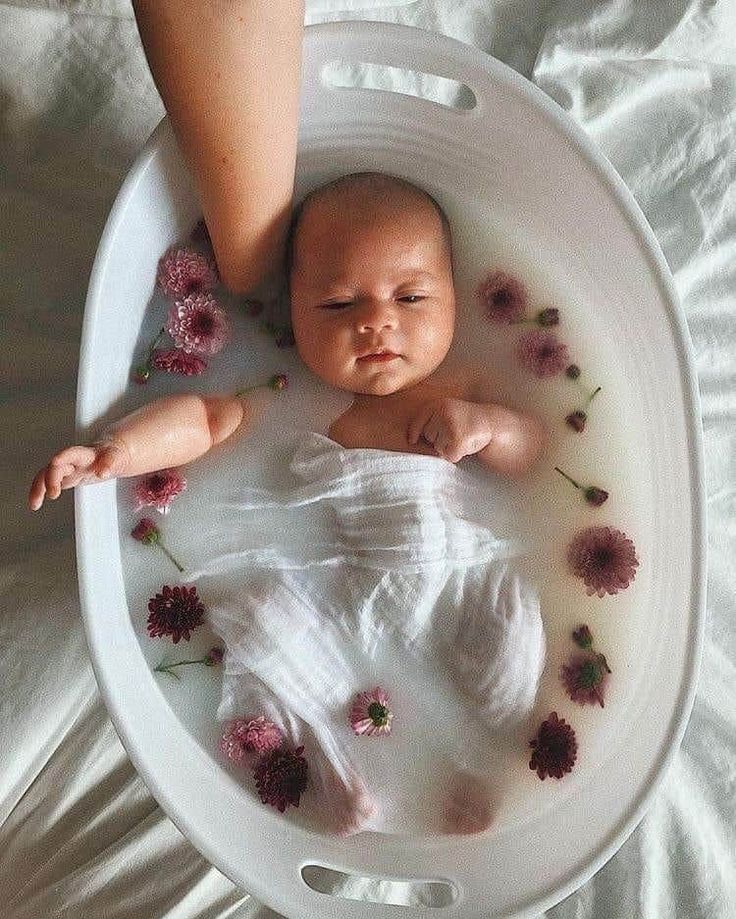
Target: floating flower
<point>198,325</point>
<point>548,317</point>
<point>174,360</point>
<point>554,748</point>
<point>182,272</point>
<point>584,677</point>
<point>283,335</point>
<point>583,637</point>
<point>176,611</point>
<point>502,297</point>
<point>370,713</point>
<point>244,736</point>
<point>212,657</point>
<point>573,371</point>
<point>158,489</point>
<point>278,382</point>
<point>281,776</point>
<point>140,374</point>
<point>148,533</point>
<point>604,558</point>
<point>576,420</point>
<point>592,493</point>
<point>542,353</point>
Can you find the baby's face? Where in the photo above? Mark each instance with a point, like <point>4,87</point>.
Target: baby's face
<point>372,298</point>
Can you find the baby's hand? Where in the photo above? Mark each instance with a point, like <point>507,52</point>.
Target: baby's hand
<point>454,427</point>
<point>75,466</point>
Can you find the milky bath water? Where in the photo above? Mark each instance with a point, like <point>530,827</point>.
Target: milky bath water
<point>434,730</point>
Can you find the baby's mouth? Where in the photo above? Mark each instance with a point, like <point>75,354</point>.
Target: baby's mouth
<point>378,357</point>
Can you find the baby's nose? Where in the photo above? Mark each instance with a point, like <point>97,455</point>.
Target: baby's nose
<point>375,315</point>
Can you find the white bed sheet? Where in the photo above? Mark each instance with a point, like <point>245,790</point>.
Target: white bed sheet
<point>654,84</point>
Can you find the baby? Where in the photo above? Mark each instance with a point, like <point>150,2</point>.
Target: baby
<point>369,267</point>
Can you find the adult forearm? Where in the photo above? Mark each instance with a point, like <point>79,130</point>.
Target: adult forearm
<point>228,74</point>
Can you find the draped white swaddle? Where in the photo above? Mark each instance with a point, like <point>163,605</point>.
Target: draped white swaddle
<point>370,556</point>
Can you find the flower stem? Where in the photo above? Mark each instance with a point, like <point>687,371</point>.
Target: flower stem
<point>168,554</point>
<point>566,476</point>
<point>592,396</point>
<point>169,668</point>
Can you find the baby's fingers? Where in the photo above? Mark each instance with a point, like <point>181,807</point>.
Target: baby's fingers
<point>37,491</point>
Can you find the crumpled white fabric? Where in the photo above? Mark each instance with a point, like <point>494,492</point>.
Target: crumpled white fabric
<point>398,563</point>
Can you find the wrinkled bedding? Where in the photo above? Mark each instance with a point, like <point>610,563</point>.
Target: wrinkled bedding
<point>654,85</point>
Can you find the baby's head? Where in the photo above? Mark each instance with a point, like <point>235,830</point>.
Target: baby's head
<point>369,262</point>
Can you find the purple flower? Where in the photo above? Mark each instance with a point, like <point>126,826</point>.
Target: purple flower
<point>542,353</point>
<point>244,736</point>
<point>370,713</point>
<point>176,611</point>
<point>198,325</point>
<point>175,360</point>
<point>502,297</point>
<point>548,317</point>
<point>281,777</point>
<point>576,420</point>
<point>584,677</point>
<point>158,489</point>
<point>583,637</point>
<point>214,656</point>
<point>554,748</point>
<point>146,531</point>
<point>182,272</point>
<point>604,558</point>
<point>592,494</point>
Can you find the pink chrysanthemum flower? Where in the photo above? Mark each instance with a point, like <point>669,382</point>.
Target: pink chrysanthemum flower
<point>176,611</point>
<point>198,325</point>
<point>554,748</point>
<point>583,637</point>
<point>158,489</point>
<point>584,677</point>
<point>174,360</point>
<point>370,713</point>
<point>182,272</point>
<point>254,735</point>
<point>146,531</point>
<point>281,777</point>
<point>542,353</point>
<point>604,558</point>
<point>502,297</point>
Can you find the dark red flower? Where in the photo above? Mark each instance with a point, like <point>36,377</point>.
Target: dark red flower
<point>176,611</point>
<point>174,360</point>
<point>281,776</point>
<point>542,353</point>
<point>502,297</point>
<point>146,531</point>
<point>584,677</point>
<point>583,637</point>
<point>595,496</point>
<point>214,656</point>
<point>554,748</point>
<point>576,420</point>
<point>604,558</point>
<point>548,317</point>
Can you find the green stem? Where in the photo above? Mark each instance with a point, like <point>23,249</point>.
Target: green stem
<point>565,475</point>
<point>169,668</point>
<point>592,396</point>
<point>242,392</point>
<point>168,554</point>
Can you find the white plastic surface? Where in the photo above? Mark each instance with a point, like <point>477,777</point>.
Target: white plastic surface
<point>518,143</point>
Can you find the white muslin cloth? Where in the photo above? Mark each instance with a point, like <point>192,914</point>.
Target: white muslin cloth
<point>380,554</point>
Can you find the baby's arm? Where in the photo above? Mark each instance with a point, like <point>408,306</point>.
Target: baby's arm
<point>228,74</point>
<point>504,440</point>
<point>168,432</point>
